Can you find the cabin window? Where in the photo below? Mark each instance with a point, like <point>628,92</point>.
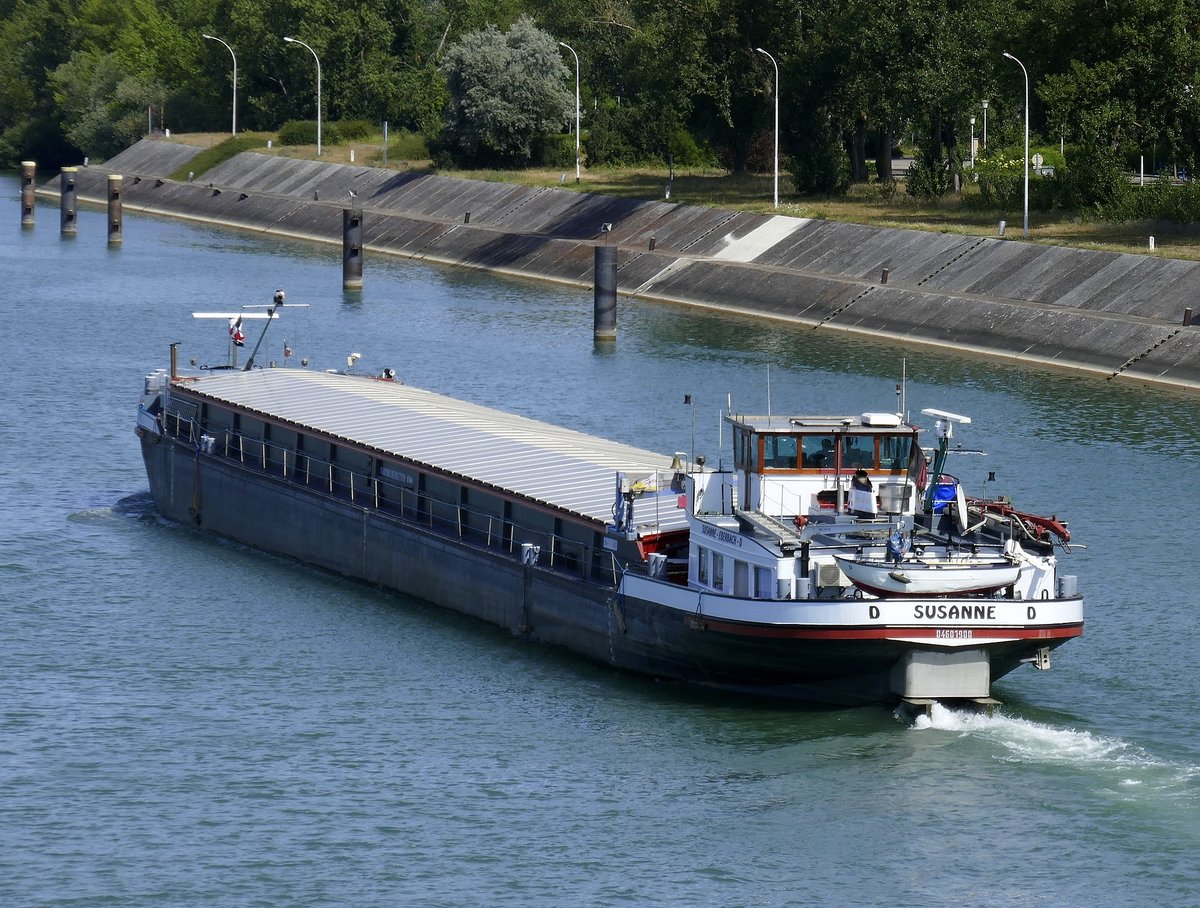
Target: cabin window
<point>858,451</point>
<point>818,451</point>
<point>764,583</point>
<point>779,452</point>
<point>895,452</point>
<point>702,565</point>
<point>718,571</point>
<point>740,454</point>
<point>741,579</point>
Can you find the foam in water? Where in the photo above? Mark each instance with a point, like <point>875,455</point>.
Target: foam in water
<point>1031,742</point>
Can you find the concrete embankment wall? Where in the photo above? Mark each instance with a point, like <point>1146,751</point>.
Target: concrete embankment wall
<point>1113,314</point>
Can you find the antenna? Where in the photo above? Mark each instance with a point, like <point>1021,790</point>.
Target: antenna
<point>768,394</point>
<point>276,303</point>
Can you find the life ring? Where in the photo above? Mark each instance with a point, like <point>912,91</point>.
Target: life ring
<point>801,521</point>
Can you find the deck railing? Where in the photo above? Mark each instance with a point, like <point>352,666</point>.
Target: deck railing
<point>398,501</point>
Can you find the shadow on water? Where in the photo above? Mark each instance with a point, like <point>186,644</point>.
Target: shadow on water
<point>139,506</point>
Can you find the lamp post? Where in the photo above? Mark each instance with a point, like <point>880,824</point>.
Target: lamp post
<point>232,54</point>
<point>576,56</point>
<point>1026,72</point>
<point>984,102</point>
<point>776,65</point>
<point>290,40</point>
<point>972,143</point>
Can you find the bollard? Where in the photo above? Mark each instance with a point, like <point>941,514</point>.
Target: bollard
<point>1187,317</point>
<point>1151,244</point>
<point>116,230</point>
<point>352,251</point>
<point>883,277</point>
<point>604,307</point>
<point>28,200</point>
<point>67,201</point>
<point>1001,229</point>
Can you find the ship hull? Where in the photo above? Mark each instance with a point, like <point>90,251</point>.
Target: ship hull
<point>643,625</point>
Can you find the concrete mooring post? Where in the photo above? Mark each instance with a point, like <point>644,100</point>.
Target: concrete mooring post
<point>28,199</point>
<point>66,203</point>
<point>352,251</point>
<point>116,217</point>
<point>604,310</point>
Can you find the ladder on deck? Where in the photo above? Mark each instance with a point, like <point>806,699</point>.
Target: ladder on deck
<point>771,526</point>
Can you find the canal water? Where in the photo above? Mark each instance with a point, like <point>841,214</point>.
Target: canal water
<point>185,721</point>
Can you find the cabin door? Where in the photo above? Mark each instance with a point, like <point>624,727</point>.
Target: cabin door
<point>741,579</point>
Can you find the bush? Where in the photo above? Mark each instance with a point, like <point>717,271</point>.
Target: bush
<point>407,146</point>
<point>1001,178</point>
<point>1162,200</point>
<point>760,156</point>
<point>608,142</point>
<point>217,154</point>
<point>554,151</point>
<point>353,130</point>
<point>304,132</point>
<point>1095,182</point>
<point>687,152</point>
<point>928,177</point>
<point>820,166</point>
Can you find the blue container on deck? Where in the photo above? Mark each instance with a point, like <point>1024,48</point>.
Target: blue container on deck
<point>944,492</point>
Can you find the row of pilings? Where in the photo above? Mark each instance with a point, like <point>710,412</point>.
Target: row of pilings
<point>68,202</point>
<point>605,286</point>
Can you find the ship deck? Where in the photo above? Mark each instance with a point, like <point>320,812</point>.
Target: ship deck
<point>563,469</point>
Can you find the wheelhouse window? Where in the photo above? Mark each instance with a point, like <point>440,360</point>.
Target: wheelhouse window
<point>779,452</point>
<point>718,571</point>
<point>702,565</point>
<point>895,452</point>
<point>858,451</point>
<point>819,451</point>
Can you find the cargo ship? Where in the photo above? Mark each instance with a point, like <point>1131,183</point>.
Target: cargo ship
<point>829,559</point>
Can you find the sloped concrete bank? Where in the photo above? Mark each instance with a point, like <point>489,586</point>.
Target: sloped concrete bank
<point>1115,315</point>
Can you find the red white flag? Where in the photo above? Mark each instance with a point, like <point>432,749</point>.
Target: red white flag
<point>235,333</point>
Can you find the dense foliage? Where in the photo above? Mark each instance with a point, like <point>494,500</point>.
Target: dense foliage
<point>1111,82</point>
<point>506,89</point>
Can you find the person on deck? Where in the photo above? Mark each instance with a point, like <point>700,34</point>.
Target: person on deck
<point>862,495</point>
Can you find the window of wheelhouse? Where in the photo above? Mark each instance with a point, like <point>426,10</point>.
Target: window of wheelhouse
<point>779,452</point>
<point>858,451</point>
<point>702,565</point>
<point>745,449</point>
<point>827,452</point>
<point>818,451</point>
<point>895,452</point>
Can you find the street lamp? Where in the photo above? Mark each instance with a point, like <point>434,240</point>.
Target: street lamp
<point>232,54</point>
<point>576,56</point>
<point>776,65</point>
<point>315,57</point>
<point>985,107</point>
<point>1026,72</point>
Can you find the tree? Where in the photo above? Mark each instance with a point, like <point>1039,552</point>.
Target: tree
<point>103,107</point>
<point>506,88</point>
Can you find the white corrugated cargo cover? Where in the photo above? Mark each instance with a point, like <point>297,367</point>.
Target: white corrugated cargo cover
<point>568,470</point>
